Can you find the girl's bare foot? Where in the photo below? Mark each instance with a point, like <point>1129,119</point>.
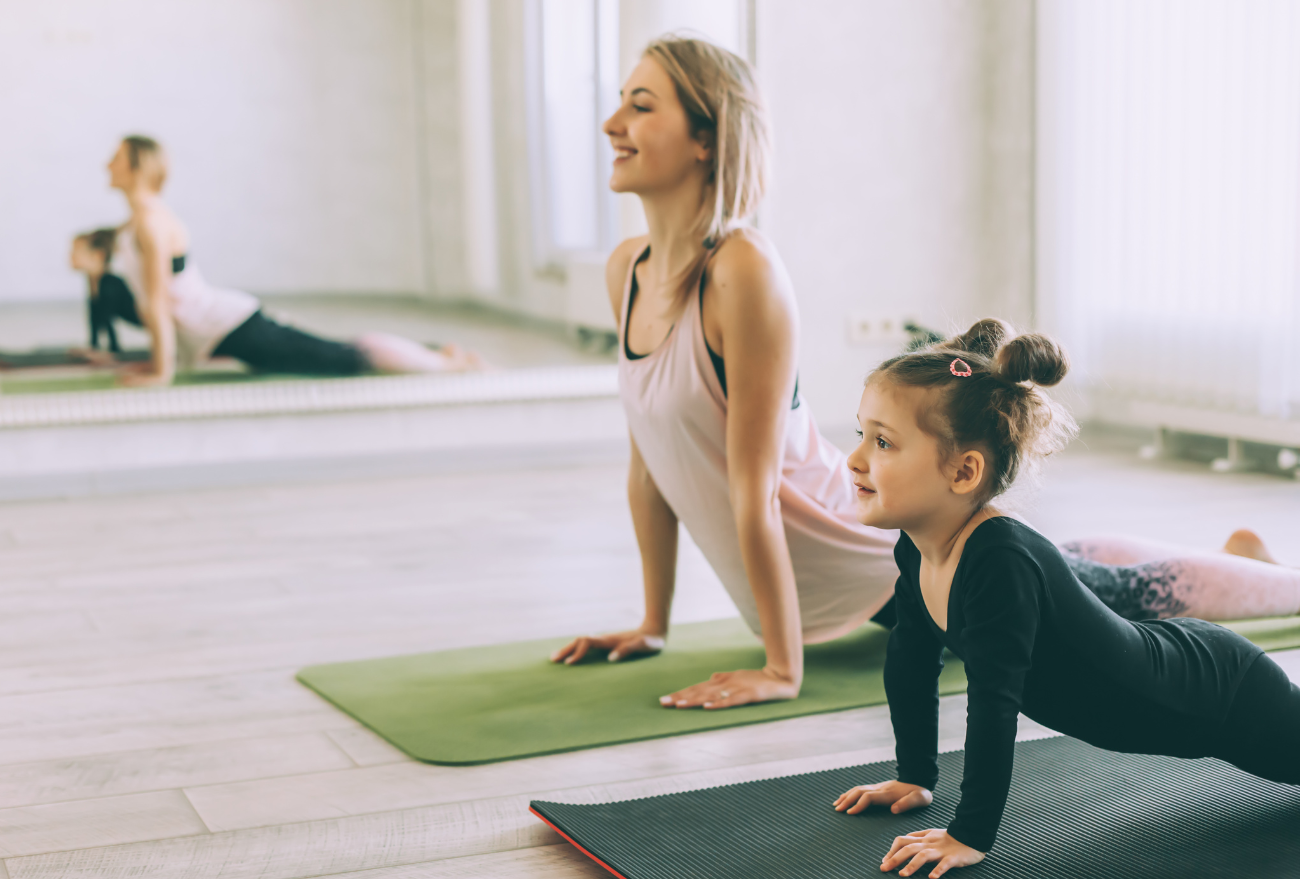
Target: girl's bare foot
<point>1247,544</point>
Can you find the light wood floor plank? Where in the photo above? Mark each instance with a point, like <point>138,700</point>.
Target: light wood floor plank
<point>543,862</point>
<point>104,775</point>
<point>109,821</point>
<point>354,843</point>
<point>75,723</point>
<point>365,748</point>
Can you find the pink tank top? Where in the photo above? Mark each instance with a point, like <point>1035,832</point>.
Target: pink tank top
<point>677,413</point>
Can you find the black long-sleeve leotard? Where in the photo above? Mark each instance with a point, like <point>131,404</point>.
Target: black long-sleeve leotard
<point>1035,640</point>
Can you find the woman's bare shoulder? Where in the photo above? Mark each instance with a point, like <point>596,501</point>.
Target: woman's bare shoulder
<point>617,266</point>
<point>157,226</point>
<point>748,261</point>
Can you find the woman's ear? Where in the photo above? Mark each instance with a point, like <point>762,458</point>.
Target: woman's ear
<point>704,142</point>
<point>969,472</point>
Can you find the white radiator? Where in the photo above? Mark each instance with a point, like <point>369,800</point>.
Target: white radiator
<point>1169,209</point>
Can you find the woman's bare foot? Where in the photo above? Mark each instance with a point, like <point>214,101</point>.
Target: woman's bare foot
<point>1247,544</point>
<point>461,359</point>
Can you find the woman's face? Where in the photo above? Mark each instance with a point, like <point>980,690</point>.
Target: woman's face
<point>651,136</point>
<point>897,470</point>
<point>120,174</point>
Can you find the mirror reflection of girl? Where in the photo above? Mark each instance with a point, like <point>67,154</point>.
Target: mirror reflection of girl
<point>944,433</point>
<point>723,443</point>
<point>107,297</point>
<point>189,319</point>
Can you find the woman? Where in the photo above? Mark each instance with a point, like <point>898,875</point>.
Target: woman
<point>189,320</point>
<point>721,440</point>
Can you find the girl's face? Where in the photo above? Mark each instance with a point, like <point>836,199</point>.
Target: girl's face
<point>85,258</point>
<point>120,174</point>
<point>900,477</point>
<point>651,135</point>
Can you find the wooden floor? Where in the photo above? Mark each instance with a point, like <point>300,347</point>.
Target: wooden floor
<point>150,725</point>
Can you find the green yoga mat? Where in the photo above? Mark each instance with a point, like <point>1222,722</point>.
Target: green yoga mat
<point>484,704</point>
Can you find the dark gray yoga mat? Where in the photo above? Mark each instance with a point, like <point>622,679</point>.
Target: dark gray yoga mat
<point>1074,811</point>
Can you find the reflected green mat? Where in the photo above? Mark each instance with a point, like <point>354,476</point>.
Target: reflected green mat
<point>484,704</point>
<point>16,383</point>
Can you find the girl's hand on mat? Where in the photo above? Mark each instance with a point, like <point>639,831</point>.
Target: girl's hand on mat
<point>897,795</point>
<point>621,645</point>
<point>727,689</point>
<point>926,846</point>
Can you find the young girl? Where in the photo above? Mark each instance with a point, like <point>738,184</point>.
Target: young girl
<point>108,298</point>
<point>722,441</point>
<point>945,431</point>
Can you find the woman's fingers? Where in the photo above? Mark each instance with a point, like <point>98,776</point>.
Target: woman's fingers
<point>578,649</point>
<point>564,651</point>
<point>637,646</point>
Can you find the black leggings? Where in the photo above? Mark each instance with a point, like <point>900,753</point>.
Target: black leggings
<point>268,346</point>
<point>1262,732</point>
<point>112,301</point>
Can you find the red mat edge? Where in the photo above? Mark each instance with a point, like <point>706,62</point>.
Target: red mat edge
<point>575,843</point>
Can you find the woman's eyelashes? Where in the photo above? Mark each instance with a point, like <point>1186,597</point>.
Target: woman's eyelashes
<point>859,433</point>
<point>640,109</point>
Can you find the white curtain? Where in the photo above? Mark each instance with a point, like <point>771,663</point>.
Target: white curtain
<point>1169,197</point>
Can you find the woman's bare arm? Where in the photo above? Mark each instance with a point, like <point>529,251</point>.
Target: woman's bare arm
<point>654,521</point>
<point>155,260</point>
<point>754,306</point>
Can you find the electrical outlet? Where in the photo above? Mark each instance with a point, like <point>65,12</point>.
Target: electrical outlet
<point>877,329</point>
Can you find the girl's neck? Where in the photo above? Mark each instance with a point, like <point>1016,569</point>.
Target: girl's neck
<point>943,536</point>
<point>676,240</point>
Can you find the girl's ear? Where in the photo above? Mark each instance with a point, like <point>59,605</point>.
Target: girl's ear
<point>969,472</point>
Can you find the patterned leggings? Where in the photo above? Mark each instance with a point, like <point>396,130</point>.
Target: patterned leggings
<point>1142,581</point>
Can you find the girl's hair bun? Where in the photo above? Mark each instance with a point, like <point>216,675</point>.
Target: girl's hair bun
<point>984,337</point>
<point>1030,358</point>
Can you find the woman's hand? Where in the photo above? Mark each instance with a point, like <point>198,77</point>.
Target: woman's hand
<point>727,689</point>
<point>142,377</point>
<point>898,795</point>
<point>620,645</point>
<point>925,846</point>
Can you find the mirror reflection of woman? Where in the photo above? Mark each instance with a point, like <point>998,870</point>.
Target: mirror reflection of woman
<point>723,443</point>
<point>189,320</point>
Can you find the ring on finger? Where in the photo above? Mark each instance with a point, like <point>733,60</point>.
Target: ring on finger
<point>725,694</point>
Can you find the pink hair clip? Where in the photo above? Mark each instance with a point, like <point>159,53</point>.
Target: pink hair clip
<point>952,367</point>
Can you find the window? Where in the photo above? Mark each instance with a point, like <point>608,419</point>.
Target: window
<point>575,71</point>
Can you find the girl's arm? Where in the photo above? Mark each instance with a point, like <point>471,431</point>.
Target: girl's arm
<point>759,327</point>
<point>157,318</point>
<point>1000,614</point>
<point>913,661</point>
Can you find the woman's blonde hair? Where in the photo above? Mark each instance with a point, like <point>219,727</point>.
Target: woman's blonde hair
<point>147,156</point>
<point>720,93</point>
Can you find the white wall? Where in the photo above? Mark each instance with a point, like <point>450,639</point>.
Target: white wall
<point>903,171</point>
<point>291,126</point>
